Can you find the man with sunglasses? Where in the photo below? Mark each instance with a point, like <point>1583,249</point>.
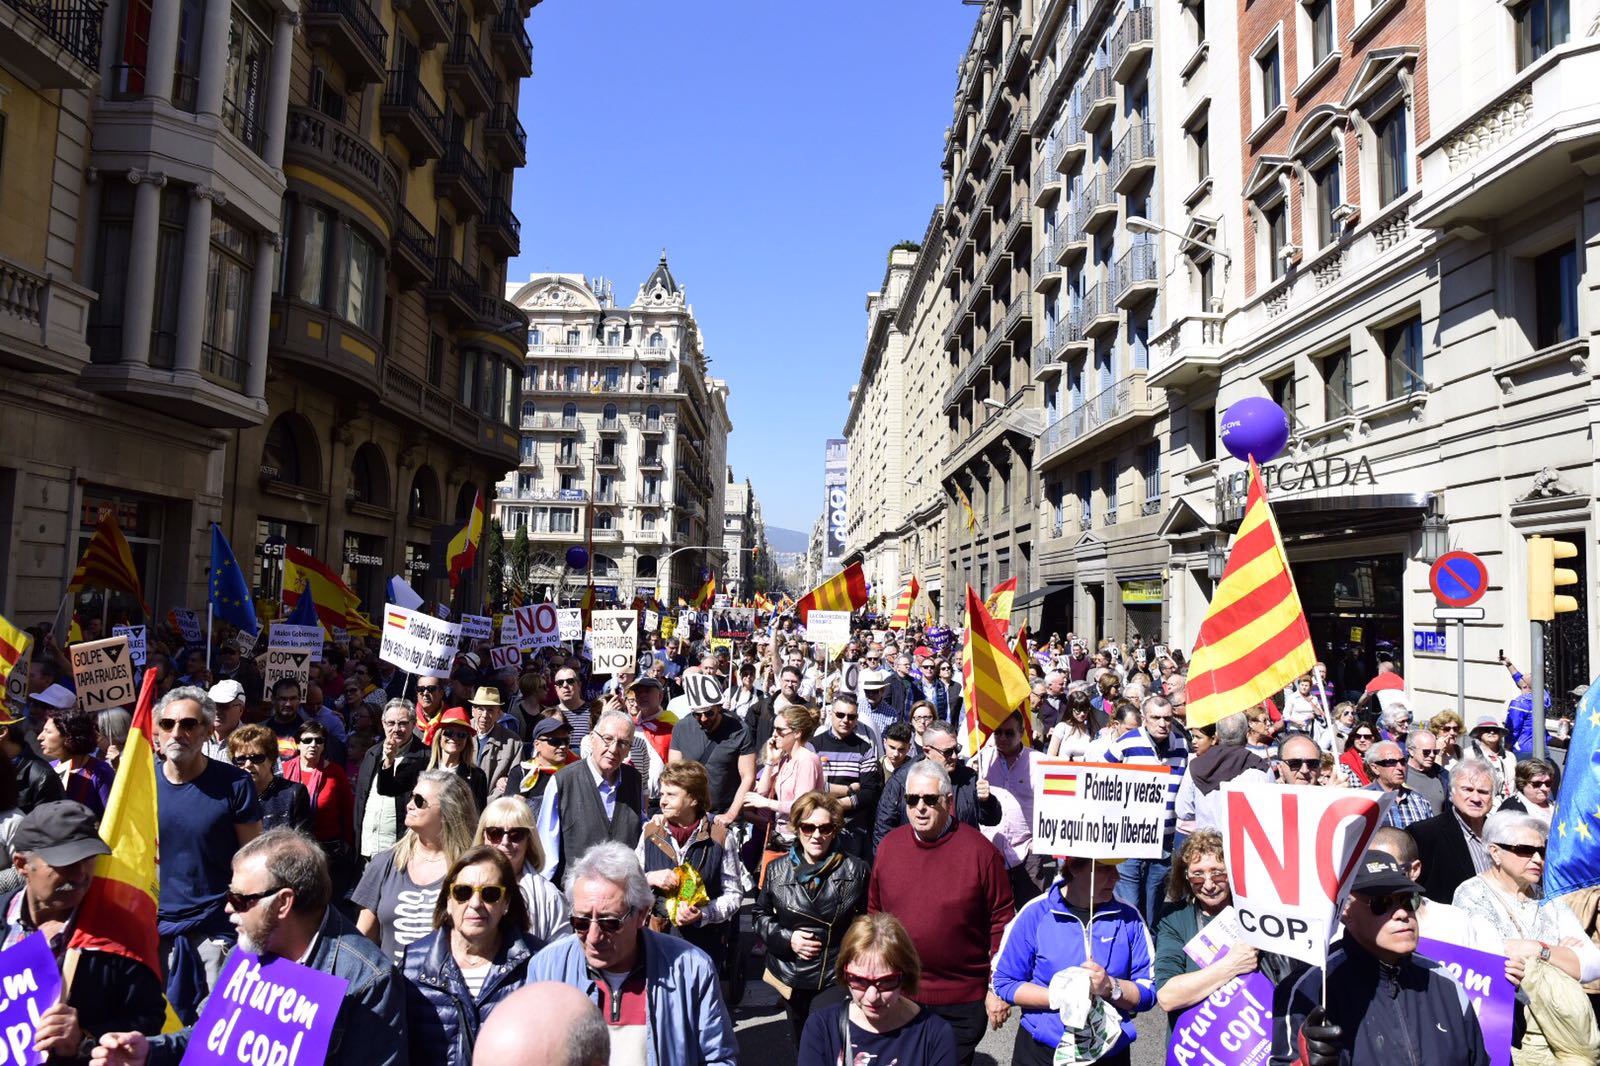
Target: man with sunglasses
<point>209,809</point>
<point>1384,1003</point>
<point>850,766</point>
<point>552,752</point>
<point>1424,775</point>
<point>1299,760</point>
<point>570,702</point>
<point>279,900</point>
<point>940,744</point>
<point>1387,765</point>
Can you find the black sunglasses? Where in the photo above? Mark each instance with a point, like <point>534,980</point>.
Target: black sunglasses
<point>243,901</point>
<point>312,740</point>
<point>516,834</point>
<point>491,894</point>
<point>420,802</point>
<point>1382,905</point>
<point>251,760</point>
<point>1302,764</point>
<point>1523,851</point>
<point>607,923</point>
<point>188,725</point>
<point>915,800</point>
<point>1386,763</point>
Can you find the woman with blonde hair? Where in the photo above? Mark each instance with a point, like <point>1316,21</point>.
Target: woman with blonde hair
<point>507,826</point>
<point>1447,726</point>
<point>452,745</point>
<point>789,769</point>
<point>400,886</point>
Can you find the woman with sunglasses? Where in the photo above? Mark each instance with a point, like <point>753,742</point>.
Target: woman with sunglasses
<point>1487,741</point>
<point>685,833</point>
<point>254,749</point>
<point>333,802</point>
<point>1537,781</point>
<point>477,955</point>
<point>1078,728</point>
<point>1446,725</point>
<point>1197,890</point>
<point>398,890</point>
<point>507,826</point>
<point>789,770</point>
<point>1353,763</point>
<point>809,898</point>
<point>452,746</point>
<point>880,1022</point>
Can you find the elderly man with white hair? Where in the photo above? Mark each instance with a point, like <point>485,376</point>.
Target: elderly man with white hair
<point>658,995</point>
<point>595,799</point>
<point>1451,844</point>
<point>1386,765</point>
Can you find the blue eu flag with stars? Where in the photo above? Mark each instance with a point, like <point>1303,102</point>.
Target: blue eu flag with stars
<point>230,592</point>
<point>1573,860</point>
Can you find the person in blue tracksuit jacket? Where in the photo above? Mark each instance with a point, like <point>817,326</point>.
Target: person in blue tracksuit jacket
<point>1047,936</point>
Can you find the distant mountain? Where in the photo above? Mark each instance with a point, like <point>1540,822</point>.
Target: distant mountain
<point>787,540</point>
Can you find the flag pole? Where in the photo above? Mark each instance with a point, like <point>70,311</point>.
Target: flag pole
<point>210,610</point>
<point>1088,935</point>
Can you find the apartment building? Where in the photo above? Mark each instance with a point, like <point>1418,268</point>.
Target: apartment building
<point>741,536</point>
<point>624,437</point>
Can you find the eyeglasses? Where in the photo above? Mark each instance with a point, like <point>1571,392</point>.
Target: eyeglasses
<point>816,829</point>
<point>490,894</point>
<point>1486,730</point>
<point>514,834</point>
<point>1302,764</point>
<point>312,740</point>
<point>556,742</point>
<point>1543,782</point>
<point>1387,763</point>
<point>1522,851</point>
<point>1425,753</point>
<point>915,800</point>
<point>1218,877</point>
<point>837,717</point>
<point>887,983</point>
<point>460,736</point>
<point>943,753</point>
<point>419,801</point>
<point>187,725</point>
<point>1365,736</point>
<point>1449,729</point>
<point>1386,904</point>
<point>706,712</point>
<point>609,924</point>
<point>609,743</point>
<point>428,690</point>
<point>240,902</point>
<point>251,760</point>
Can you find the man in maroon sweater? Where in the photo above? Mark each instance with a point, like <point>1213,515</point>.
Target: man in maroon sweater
<point>948,886</point>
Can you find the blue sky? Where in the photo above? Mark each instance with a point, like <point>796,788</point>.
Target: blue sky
<point>777,151</point>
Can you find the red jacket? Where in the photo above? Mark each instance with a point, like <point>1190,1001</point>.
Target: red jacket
<point>333,804</point>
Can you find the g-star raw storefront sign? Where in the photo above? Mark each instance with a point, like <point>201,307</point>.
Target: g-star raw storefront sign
<point>1294,476</point>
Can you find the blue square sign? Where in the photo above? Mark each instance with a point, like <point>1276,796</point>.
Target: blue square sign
<point>1430,641</point>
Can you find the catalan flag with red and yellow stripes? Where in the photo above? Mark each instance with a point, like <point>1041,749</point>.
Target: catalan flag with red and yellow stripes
<point>901,619</point>
<point>844,591</point>
<point>1254,641</point>
<point>107,562</point>
<point>1020,650</point>
<point>13,648</point>
<point>995,682</point>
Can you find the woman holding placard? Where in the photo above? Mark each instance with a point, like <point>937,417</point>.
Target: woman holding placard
<point>1187,970</point>
<point>477,955</point>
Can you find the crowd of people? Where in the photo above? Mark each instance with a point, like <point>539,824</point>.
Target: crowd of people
<point>537,864</point>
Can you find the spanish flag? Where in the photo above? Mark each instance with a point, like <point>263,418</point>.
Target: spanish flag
<point>901,619</point>
<point>336,602</point>
<point>844,591</point>
<point>966,505</point>
<point>707,591</point>
<point>107,562</point>
<point>118,914</point>
<point>999,602</point>
<point>996,682</point>
<point>463,550</point>
<point>1254,641</point>
<point>1060,783</point>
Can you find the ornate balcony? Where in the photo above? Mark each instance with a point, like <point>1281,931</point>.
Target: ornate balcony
<point>1137,276</point>
<point>499,230</point>
<point>44,321</point>
<point>509,39</point>
<point>53,43</point>
<point>468,75</point>
<point>504,136</point>
<point>433,19</point>
<point>1134,40</point>
<point>550,423</point>
<point>1111,411</point>
<point>1189,351</point>
<point>341,357</point>
<point>1135,156</point>
<point>1097,202</point>
<point>500,315</point>
<point>453,292</point>
<point>352,33</point>
<point>1100,311</point>
<point>319,143</point>
<point>411,254</point>
<point>1099,98</point>
<point>457,177</point>
<point>413,116</point>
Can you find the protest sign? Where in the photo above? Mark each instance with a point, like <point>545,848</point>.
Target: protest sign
<point>508,630</point>
<point>1099,810</point>
<point>292,663</point>
<point>502,657</point>
<point>274,1014</point>
<point>722,644</point>
<point>476,627</point>
<point>1230,1027</point>
<point>536,625</point>
<point>32,985</point>
<point>615,641</point>
<point>137,636</point>
<point>188,623</point>
<point>831,628</point>
<point>442,610</point>
<point>418,643</point>
<point>1291,850</point>
<point>1482,975</point>
<point>102,670</point>
<point>341,636</point>
<point>570,619</point>
<point>17,680</point>
<point>735,622</point>
<point>303,638</point>
<point>652,621</point>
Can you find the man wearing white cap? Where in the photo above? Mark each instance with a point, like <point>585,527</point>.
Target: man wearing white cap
<point>229,698</point>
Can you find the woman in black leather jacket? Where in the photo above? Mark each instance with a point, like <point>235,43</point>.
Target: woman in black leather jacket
<point>477,955</point>
<point>811,896</point>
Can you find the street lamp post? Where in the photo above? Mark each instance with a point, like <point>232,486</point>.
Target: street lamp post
<point>1139,224</point>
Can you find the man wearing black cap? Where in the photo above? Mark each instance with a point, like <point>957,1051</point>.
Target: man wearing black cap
<point>552,750</point>
<point>1384,1002</point>
<point>54,849</point>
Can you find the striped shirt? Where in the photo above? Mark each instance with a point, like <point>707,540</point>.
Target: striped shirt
<point>1408,806</point>
<point>1135,746</point>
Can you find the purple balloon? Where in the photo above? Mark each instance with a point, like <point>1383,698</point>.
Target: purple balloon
<point>1255,427</point>
<point>577,557</point>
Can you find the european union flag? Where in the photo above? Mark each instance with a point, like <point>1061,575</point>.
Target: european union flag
<point>305,610</point>
<point>230,592</point>
<point>1574,853</point>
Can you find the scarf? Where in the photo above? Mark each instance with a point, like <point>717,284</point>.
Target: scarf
<point>810,875</point>
<point>1222,764</point>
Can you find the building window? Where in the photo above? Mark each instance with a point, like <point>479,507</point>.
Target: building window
<point>1327,181</point>
<point>169,277</point>
<point>572,336</point>
<point>232,263</point>
<point>1338,400</point>
<point>1108,476</point>
<point>245,81</point>
<point>508,393</point>
<point>362,284</point>
<point>529,449</point>
<point>1152,476</point>
<point>1319,19</point>
<point>129,74</point>
<point>1206,269</point>
<point>1203,431</point>
<point>1085,498</point>
<point>315,234</point>
<point>467,385</point>
<point>657,340</point>
<point>436,359</point>
<point>1275,222</point>
<point>613,378</point>
<point>1402,357</point>
<point>1555,294</point>
<point>569,414</point>
<point>1281,389</point>
<point>1541,26</point>
<point>1394,176</point>
<point>1200,137</point>
<point>111,271</point>
<point>535,337</point>
<point>614,338</point>
<point>1269,81</point>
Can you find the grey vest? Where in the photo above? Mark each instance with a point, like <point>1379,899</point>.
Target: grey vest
<point>583,817</point>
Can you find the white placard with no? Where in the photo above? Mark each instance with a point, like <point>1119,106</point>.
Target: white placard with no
<point>500,658</point>
<point>303,638</point>
<point>292,663</point>
<point>570,621</point>
<point>137,641</point>
<point>17,680</point>
<point>418,643</point>
<point>1099,810</point>
<point>103,672</point>
<point>829,628</point>
<point>615,640</point>
<point>188,624</point>
<point>652,621</point>
<point>535,625</point>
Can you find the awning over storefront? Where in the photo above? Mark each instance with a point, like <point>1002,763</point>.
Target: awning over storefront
<point>1033,595</point>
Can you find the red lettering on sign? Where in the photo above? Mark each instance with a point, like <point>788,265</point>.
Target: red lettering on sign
<point>1284,868</point>
<point>1363,807</point>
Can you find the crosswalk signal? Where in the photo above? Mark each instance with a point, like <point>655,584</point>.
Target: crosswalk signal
<point>1544,577</point>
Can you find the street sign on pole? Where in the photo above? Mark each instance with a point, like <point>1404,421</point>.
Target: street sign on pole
<point>1458,614</point>
<point>1459,580</point>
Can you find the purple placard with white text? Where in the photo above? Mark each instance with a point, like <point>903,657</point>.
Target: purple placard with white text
<point>32,984</point>
<point>277,1012</point>
<point>1231,1027</point>
<point>1482,974</point>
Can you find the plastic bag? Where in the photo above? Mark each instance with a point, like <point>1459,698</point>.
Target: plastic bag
<point>691,891</point>
<point>1095,1040</point>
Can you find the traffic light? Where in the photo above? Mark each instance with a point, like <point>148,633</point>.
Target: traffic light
<point>1544,577</point>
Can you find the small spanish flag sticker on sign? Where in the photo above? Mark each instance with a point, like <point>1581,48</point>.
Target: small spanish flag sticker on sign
<point>1060,784</point>
<point>395,620</point>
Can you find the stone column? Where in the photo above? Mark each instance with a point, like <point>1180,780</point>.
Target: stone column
<point>192,292</point>
<point>161,57</point>
<point>276,117</point>
<point>255,379</point>
<point>214,58</point>
<point>140,298</point>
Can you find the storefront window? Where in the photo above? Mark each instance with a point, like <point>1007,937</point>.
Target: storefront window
<point>140,522</point>
<point>416,562</point>
<point>364,561</point>
<point>1354,609</point>
<point>272,536</point>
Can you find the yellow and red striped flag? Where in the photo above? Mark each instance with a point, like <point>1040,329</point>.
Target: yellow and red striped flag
<point>1254,641</point>
<point>999,602</point>
<point>901,619</point>
<point>971,521</point>
<point>707,593</point>
<point>13,649</point>
<point>996,680</point>
<point>118,914</point>
<point>844,591</point>
<point>335,601</point>
<point>463,550</point>
<point>1020,649</point>
<point>107,562</point>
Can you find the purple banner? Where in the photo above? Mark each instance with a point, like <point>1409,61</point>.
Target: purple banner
<point>1232,1027</point>
<point>32,985</point>
<point>1482,975</point>
<point>279,1013</point>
